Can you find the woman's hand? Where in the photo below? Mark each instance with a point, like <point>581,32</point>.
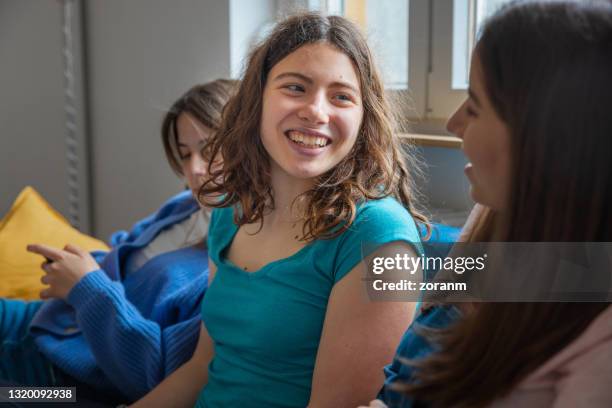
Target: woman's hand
<point>375,404</point>
<point>64,268</point>
<point>476,218</point>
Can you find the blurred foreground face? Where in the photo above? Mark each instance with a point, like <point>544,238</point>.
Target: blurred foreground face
<point>486,143</point>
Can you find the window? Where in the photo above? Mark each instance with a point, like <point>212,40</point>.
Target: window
<point>468,16</point>
<point>385,23</point>
<point>423,47</point>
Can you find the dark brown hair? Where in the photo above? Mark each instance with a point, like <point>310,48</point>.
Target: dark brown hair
<point>547,71</point>
<point>205,103</point>
<point>376,167</point>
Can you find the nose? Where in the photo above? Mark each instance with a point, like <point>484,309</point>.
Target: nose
<point>456,123</point>
<point>197,165</point>
<point>315,109</point>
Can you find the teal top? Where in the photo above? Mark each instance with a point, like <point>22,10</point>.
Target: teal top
<point>266,325</point>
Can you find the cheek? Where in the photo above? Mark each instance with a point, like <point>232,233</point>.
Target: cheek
<point>185,170</point>
<point>348,126</point>
<point>273,111</point>
<point>490,157</point>
<point>494,154</point>
<point>478,148</point>
<point>268,126</point>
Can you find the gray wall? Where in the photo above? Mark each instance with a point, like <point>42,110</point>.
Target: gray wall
<point>32,144</point>
<point>142,54</point>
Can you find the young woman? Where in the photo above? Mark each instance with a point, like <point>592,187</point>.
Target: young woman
<point>314,180</point>
<point>119,322</point>
<point>536,129</point>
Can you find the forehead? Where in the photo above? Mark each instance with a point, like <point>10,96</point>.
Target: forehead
<point>320,62</point>
<point>190,129</point>
<point>476,76</point>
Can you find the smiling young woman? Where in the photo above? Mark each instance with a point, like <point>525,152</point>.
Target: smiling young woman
<point>314,180</point>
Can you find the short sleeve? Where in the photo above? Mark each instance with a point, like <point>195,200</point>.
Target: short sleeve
<point>377,223</point>
<point>220,231</point>
<point>214,215</point>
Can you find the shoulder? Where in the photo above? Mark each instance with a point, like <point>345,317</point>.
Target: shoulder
<point>221,229</point>
<point>181,202</point>
<point>383,220</point>
<point>386,210</point>
<point>221,217</point>
<point>376,224</point>
<point>580,373</point>
<point>184,198</point>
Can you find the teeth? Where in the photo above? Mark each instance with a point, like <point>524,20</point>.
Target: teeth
<point>307,140</point>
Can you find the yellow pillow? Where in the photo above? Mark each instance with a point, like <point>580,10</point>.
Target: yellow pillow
<point>32,220</point>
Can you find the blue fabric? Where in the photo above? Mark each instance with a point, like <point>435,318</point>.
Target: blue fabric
<point>439,244</point>
<point>125,335</point>
<point>441,240</point>
<point>413,347</point>
<point>20,360</point>
<point>266,325</point>
<point>441,233</point>
<point>21,364</point>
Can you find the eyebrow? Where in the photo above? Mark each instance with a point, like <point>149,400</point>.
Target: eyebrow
<point>201,142</point>
<point>309,80</point>
<point>472,95</point>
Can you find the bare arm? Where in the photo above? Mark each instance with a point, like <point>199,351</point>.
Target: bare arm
<point>181,388</point>
<point>359,338</point>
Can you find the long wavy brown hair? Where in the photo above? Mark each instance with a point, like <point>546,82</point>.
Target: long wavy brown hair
<point>376,167</point>
<point>547,71</point>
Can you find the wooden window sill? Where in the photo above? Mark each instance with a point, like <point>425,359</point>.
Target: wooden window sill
<point>422,140</point>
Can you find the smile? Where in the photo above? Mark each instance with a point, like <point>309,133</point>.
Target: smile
<point>310,141</point>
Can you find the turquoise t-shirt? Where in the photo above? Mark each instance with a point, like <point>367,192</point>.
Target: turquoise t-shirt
<point>266,325</point>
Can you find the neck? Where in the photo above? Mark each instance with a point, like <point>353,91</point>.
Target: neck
<point>285,189</point>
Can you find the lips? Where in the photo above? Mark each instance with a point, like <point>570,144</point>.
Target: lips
<point>308,139</point>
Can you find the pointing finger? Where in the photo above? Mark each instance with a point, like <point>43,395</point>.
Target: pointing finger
<point>48,252</point>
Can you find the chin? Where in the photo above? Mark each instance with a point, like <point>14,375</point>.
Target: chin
<point>303,172</point>
<point>304,175</point>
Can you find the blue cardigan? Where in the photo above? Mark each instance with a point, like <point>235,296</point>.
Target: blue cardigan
<point>126,334</point>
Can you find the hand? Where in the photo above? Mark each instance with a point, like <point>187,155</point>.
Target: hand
<point>64,268</point>
<point>478,216</point>
<point>375,404</point>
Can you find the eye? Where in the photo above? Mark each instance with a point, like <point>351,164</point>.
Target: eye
<point>470,111</point>
<point>184,157</point>
<point>344,98</point>
<point>295,88</point>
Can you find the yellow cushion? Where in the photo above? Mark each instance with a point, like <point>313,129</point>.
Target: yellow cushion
<point>32,220</point>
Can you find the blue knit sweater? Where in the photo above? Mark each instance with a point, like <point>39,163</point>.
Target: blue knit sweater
<point>126,334</point>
